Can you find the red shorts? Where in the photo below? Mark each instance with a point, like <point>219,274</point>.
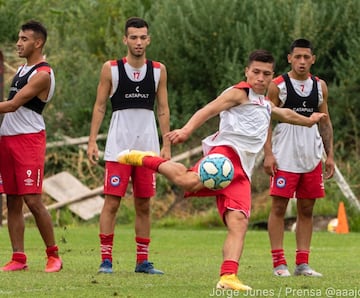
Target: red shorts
<point>22,159</point>
<point>298,185</point>
<point>117,177</point>
<point>236,196</point>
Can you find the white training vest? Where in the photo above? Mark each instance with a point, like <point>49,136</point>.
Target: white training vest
<point>24,120</point>
<point>297,149</point>
<point>244,128</point>
<point>132,128</point>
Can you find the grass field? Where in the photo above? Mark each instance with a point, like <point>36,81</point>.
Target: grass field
<point>190,259</point>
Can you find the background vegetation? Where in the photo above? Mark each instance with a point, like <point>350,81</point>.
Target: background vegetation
<point>204,45</point>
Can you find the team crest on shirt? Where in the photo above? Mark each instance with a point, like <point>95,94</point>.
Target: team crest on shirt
<point>115,180</point>
<point>280,182</point>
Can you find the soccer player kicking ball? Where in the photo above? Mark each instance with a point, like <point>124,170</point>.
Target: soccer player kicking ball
<point>244,121</point>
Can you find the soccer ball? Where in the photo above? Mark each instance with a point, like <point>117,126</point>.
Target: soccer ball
<point>216,171</point>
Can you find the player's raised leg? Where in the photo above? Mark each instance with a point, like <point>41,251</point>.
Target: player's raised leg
<point>133,157</point>
<point>175,172</point>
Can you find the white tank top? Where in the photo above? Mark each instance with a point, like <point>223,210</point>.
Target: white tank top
<point>132,128</point>
<point>24,120</point>
<point>297,149</point>
<point>244,128</point>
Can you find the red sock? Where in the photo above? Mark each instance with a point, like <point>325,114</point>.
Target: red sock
<point>52,251</point>
<point>142,249</point>
<point>153,162</point>
<point>278,257</point>
<point>229,267</point>
<point>106,245</point>
<point>302,256</point>
<point>19,257</point>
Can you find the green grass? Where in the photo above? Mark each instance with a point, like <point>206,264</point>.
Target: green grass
<point>190,258</point>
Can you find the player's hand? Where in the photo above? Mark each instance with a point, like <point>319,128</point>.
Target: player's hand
<point>177,136</point>
<point>329,168</point>
<point>316,117</point>
<point>165,152</point>
<point>270,165</point>
<point>93,153</point>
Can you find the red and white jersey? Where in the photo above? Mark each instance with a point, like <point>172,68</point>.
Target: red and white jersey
<point>132,128</point>
<point>297,149</point>
<point>24,120</point>
<point>244,128</point>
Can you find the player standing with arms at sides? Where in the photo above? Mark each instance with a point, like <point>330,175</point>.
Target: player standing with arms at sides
<point>244,121</point>
<point>134,84</point>
<point>293,156</point>
<point>23,145</point>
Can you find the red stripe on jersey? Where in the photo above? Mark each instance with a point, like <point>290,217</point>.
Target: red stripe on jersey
<point>278,80</point>
<point>44,68</point>
<point>317,78</point>
<point>156,64</point>
<point>242,85</point>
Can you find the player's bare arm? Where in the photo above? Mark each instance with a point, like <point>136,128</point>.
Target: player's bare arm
<point>289,116</point>
<point>38,84</point>
<point>103,92</point>
<point>223,102</point>
<point>327,135</point>
<point>163,113</point>
<point>270,164</point>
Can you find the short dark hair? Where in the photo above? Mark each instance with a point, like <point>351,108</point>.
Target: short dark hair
<point>301,43</point>
<point>37,27</point>
<point>136,23</point>
<point>261,56</point>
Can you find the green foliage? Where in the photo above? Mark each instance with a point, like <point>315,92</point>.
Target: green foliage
<point>206,54</point>
<point>345,112</point>
<point>203,54</point>
<point>196,50</point>
<point>82,36</point>
<point>8,20</point>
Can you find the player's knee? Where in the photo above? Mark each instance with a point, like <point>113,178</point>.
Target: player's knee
<point>279,207</point>
<point>36,208</point>
<point>279,211</point>
<point>236,219</point>
<point>305,208</point>
<point>306,212</point>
